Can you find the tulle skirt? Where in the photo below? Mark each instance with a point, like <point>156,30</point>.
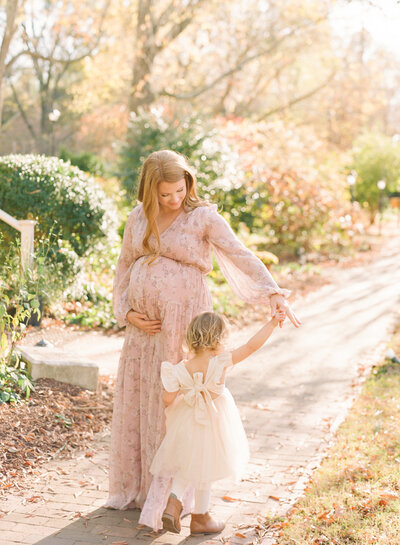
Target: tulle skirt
<point>202,453</point>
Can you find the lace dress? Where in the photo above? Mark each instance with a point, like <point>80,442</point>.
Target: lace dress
<point>204,441</point>
<point>172,289</point>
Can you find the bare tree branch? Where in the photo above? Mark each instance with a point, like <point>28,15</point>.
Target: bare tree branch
<point>22,112</point>
<point>298,99</point>
<point>241,64</point>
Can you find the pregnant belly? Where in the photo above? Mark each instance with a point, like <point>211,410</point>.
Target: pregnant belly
<point>166,281</point>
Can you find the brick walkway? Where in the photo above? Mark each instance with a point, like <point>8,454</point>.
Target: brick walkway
<point>292,394</point>
<point>63,505</point>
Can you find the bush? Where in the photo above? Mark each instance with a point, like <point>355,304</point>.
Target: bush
<point>53,271</point>
<point>291,211</point>
<point>150,131</point>
<point>73,215</point>
<point>15,381</point>
<point>60,197</point>
<point>288,205</point>
<point>84,160</point>
<point>375,157</point>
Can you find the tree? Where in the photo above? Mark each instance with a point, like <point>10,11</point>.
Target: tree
<point>9,22</point>
<point>187,31</point>
<point>65,34</point>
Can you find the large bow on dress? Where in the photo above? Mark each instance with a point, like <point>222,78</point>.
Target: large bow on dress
<point>199,397</point>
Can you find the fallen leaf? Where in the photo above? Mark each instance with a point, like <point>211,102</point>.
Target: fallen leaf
<point>238,534</point>
<point>228,498</point>
<point>274,498</point>
<point>34,499</point>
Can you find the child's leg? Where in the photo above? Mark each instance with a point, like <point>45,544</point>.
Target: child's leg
<point>202,522</point>
<point>178,488</point>
<point>173,509</point>
<point>201,501</point>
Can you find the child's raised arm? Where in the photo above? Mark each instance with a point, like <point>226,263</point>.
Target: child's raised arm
<point>258,339</point>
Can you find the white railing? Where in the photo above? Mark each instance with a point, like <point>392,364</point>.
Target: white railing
<point>27,229</point>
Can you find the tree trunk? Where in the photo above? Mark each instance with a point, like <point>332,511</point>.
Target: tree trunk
<point>9,31</point>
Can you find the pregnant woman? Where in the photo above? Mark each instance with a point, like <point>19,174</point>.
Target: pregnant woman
<point>160,285</point>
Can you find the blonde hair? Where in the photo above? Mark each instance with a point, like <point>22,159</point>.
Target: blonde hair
<point>207,330</point>
<point>164,166</point>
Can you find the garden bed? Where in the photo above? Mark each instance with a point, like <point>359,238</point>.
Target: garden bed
<point>57,419</point>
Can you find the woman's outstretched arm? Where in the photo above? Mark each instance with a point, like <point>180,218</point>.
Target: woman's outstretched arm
<point>245,273</point>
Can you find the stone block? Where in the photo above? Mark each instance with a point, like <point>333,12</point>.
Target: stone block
<point>45,362</point>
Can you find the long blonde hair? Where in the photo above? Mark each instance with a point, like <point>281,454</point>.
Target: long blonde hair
<point>206,330</point>
<point>164,166</point>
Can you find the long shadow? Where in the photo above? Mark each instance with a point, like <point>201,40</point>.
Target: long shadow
<point>109,526</point>
<point>104,527</point>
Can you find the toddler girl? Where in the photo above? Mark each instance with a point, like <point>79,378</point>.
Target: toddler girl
<point>205,440</point>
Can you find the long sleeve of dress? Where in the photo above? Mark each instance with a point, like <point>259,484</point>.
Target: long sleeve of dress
<point>122,274</point>
<point>246,274</point>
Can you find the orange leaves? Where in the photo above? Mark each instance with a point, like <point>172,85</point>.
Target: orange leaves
<point>34,499</point>
<point>280,525</point>
<point>366,506</point>
<point>274,498</point>
<point>228,498</point>
<point>331,515</point>
<point>386,495</point>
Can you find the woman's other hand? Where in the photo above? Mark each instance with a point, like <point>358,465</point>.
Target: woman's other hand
<point>278,302</point>
<point>142,322</point>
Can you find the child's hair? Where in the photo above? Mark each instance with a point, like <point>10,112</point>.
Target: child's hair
<point>206,330</point>
<point>164,166</point>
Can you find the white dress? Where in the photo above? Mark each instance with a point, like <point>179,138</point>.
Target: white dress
<point>205,440</point>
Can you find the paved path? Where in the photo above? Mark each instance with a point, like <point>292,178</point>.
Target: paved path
<point>292,395</point>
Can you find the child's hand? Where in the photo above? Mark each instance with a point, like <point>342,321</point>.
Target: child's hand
<point>279,317</point>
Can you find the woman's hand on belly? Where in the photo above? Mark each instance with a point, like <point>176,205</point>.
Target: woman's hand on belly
<point>141,321</point>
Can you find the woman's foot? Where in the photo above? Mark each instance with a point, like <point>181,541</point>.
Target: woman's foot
<point>205,524</point>
<point>172,514</point>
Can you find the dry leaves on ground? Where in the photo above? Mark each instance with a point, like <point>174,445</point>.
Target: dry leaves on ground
<point>57,419</point>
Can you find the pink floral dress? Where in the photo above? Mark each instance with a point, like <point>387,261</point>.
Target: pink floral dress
<point>172,289</point>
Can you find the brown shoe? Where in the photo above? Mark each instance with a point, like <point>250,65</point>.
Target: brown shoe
<point>205,524</point>
<point>172,514</point>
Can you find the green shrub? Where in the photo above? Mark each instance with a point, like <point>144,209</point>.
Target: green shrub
<point>84,160</point>
<point>60,197</point>
<point>55,267</point>
<point>375,157</point>
<point>150,131</point>
<point>15,381</point>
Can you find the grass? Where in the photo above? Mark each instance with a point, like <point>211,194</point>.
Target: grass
<point>354,497</point>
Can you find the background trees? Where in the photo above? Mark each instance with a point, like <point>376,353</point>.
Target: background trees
<point>96,62</point>
<point>273,102</point>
